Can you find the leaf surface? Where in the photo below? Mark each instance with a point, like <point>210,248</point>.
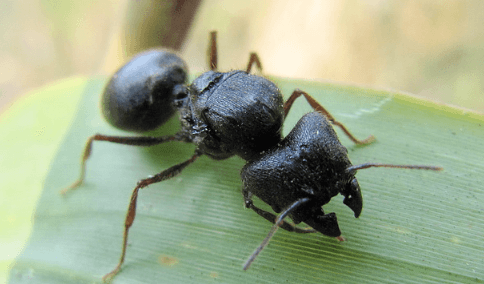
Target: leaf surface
<point>416,226</point>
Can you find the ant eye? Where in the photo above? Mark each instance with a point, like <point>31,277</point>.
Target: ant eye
<point>180,96</point>
<point>180,92</point>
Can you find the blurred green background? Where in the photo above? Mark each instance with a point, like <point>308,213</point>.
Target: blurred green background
<point>432,49</point>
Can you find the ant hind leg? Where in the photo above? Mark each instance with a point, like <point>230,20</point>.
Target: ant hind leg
<point>319,108</point>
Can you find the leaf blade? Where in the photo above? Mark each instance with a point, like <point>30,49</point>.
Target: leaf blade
<point>196,221</point>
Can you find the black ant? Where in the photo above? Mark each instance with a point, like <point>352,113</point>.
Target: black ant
<point>237,113</point>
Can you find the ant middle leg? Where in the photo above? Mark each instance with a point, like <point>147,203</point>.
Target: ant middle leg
<point>319,108</point>
<point>133,141</point>
<point>131,214</point>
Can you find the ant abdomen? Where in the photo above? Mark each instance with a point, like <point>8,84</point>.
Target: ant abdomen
<point>139,96</point>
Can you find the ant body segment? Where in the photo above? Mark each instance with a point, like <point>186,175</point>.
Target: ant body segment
<point>236,113</point>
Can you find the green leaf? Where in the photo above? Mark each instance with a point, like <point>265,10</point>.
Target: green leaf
<point>416,226</point>
<point>31,131</point>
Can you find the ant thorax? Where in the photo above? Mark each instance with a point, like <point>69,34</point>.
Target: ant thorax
<point>233,113</point>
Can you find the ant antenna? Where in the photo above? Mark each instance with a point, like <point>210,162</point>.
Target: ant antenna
<point>277,224</point>
<point>292,207</point>
<point>376,165</point>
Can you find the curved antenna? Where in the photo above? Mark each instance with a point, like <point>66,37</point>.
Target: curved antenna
<point>277,224</point>
<point>377,165</point>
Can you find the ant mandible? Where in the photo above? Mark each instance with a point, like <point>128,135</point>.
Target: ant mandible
<point>236,113</point>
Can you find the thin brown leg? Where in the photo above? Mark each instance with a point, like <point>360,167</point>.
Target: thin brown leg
<point>131,214</point>
<point>213,57</point>
<point>254,58</point>
<point>317,107</point>
<point>213,51</point>
<point>133,141</point>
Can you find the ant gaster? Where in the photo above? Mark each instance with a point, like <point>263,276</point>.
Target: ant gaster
<point>236,113</point>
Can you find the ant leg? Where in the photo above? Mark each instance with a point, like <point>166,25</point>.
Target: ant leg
<point>213,58</point>
<point>212,51</point>
<point>318,107</point>
<point>277,223</point>
<point>254,59</point>
<point>130,215</point>
<point>133,141</point>
<point>272,217</point>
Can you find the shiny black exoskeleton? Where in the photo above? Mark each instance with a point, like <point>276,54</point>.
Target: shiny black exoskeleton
<point>236,113</point>
<point>139,96</point>
<point>310,162</point>
<point>233,113</point>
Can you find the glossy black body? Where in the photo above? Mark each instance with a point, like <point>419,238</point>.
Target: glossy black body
<point>309,162</point>
<point>232,113</point>
<point>237,113</point>
<point>139,96</point>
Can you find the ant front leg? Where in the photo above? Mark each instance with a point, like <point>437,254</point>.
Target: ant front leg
<point>131,214</point>
<point>272,217</point>
<point>133,141</point>
<point>319,108</point>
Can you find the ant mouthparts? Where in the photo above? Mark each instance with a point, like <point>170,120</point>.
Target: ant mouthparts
<point>377,165</point>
